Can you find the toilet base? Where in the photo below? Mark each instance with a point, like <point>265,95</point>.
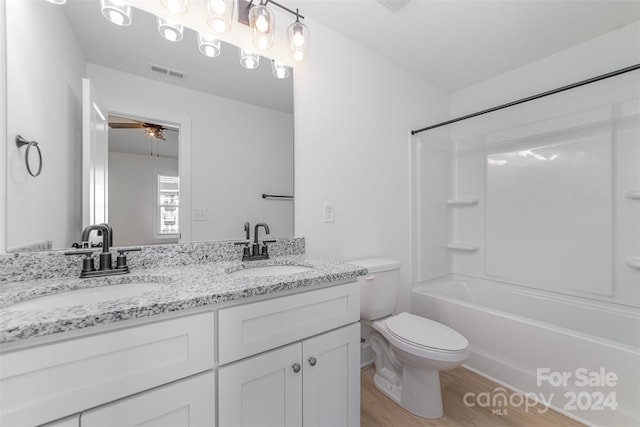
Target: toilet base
<point>419,393</point>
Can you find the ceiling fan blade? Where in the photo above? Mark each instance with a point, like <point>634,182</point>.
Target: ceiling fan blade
<point>126,125</point>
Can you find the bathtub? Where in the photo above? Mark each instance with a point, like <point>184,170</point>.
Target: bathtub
<point>577,356</point>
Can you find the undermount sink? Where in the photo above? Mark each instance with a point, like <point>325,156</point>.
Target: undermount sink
<point>271,270</point>
<point>84,296</point>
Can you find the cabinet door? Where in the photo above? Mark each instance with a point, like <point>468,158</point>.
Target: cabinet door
<point>185,403</point>
<point>331,380</point>
<point>262,391</point>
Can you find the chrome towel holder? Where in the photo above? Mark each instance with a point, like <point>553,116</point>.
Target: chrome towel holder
<point>20,141</point>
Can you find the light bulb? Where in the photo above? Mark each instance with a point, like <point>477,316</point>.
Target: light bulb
<point>170,35</point>
<point>175,6</point>
<point>298,55</point>
<point>210,51</point>
<point>116,17</point>
<point>249,59</point>
<point>116,11</point>
<point>298,39</point>
<point>219,25</point>
<point>279,70</point>
<point>262,24</point>
<point>169,30</point>
<point>263,43</point>
<point>219,15</point>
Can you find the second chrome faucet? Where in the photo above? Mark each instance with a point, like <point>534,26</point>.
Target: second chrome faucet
<point>258,250</point>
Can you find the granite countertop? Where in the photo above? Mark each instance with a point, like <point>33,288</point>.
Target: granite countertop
<point>186,287</point>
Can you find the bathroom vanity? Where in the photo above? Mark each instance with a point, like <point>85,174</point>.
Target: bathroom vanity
<point>213,345</point>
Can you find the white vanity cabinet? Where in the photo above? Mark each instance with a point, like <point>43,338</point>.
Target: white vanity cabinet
<point>46,382</point>
<point>186,403</point>
<point>313,380</point>
<point>288,360</point>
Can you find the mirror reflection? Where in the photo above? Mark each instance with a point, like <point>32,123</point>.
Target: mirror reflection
<point>233,130</point>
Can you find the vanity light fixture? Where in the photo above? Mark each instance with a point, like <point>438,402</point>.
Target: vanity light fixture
<point>298,39</point>
<point>175,6</point>
<point>262,22</point>
<point>280,71</point>
<point>116,11</point>
<point>170,30</point>
<point>57,1</point>
<point>208,45</point>
<point>219,14</point>
<point>249,59</point>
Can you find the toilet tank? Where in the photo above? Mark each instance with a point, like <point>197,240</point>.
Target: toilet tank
<point>379,288</point>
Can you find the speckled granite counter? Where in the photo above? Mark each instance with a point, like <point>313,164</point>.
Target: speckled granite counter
<point>187,287</point>
<point>181,286</point>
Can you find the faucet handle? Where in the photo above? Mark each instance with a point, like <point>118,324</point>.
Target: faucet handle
<point>265,248</point>
<point>246,251</point>
<point>121,259</point>
<point>87,261</point>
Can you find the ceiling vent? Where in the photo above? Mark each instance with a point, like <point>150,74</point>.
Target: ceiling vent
<point>158,69</point>
<point>394,5</point>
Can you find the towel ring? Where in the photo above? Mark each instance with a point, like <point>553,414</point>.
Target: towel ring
<point>20,141</point>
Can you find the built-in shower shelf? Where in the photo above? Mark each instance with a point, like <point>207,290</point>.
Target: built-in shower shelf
<point>460,246</point>
<point>632,194</point>
<point>633,262</point>
<point>459,203</point>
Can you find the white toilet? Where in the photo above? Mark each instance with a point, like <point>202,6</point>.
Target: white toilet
<point>409,350</point>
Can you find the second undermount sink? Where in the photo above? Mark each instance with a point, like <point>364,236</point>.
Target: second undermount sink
<point>83,296</point>
<point>271,270</point>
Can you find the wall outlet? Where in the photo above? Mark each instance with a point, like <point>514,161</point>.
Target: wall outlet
<point>200,214</point>
<point>328,212</point>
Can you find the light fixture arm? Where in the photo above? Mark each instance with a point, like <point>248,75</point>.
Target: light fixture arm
<point>266,2</point>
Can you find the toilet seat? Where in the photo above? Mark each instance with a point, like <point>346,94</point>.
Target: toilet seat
<point>425,334</point>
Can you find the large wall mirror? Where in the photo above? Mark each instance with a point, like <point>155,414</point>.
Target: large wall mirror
<point>185,130</point>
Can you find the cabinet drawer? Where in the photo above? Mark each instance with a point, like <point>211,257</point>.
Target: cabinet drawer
<point>252,328</point>
<point>51,381</point>
<point>185,403</point>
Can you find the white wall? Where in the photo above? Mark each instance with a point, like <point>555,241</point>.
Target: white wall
<point>590,263</point>
<point>3,134</point>
<point>132,196</point>
<point>354,111</point>
<point>238,152</point>
<point>33,202</point>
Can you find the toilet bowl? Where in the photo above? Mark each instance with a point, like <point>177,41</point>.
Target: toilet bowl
<point>409,350</point>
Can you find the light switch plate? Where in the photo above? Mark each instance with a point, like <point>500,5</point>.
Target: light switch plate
<point>328,212</point>
<point>200,214</point>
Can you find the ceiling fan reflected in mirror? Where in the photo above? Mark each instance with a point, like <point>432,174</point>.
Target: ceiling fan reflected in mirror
<point>152,129</point>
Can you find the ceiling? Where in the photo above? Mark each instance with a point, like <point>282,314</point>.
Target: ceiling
<point>131,49</point>
<point>452,44</point>
<point>456,43</point>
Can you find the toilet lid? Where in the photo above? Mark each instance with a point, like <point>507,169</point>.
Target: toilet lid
<point>425,333</point>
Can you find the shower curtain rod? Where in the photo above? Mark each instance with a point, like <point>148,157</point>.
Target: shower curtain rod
<point>531,98</point>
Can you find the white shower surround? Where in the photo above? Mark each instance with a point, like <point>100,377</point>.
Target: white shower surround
<point>520,311</point>
<point>514,331</point>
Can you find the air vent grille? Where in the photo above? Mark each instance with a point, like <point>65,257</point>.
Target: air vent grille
<point>164,71</point>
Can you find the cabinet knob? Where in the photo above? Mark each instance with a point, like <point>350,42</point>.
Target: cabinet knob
<point>312,361</point>
<point>296,367</point>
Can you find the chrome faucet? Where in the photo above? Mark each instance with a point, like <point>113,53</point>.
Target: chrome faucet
<point>259,250</point>
<point>105,267</point>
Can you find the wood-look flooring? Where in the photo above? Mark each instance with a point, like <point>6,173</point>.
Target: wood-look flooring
<point>377,410</point>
